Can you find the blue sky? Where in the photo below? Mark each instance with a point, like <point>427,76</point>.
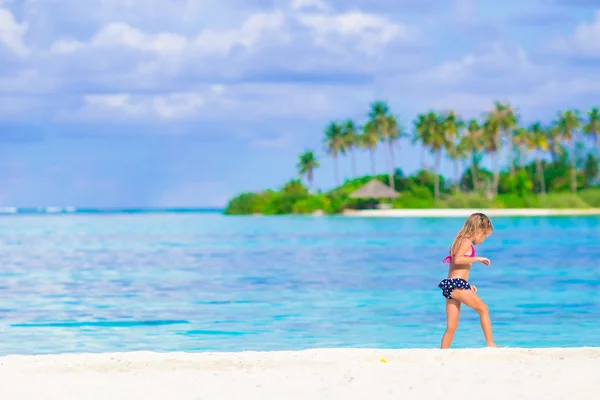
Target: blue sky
<point>186,102</point>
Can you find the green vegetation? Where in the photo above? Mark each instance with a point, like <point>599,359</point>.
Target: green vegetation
<point>551,166</point>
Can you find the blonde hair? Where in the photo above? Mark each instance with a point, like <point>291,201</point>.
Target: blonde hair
<point>473,224</point>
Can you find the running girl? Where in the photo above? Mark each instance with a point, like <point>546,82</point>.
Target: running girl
<point>456,288</point>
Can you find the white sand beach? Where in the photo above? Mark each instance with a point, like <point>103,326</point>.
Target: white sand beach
<point>464,212</point>
<point>349,374</point>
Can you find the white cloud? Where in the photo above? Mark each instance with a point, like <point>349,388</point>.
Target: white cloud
<point>585,40</point>
<point>369,32</point>
<point>181,64</point>
<point>303,4</point>
<point>499,61</point>
<point>553,93</point>
<point>569,88</point>
<point>63,46</point>
<point>114,103</point>
<point>257,27</point>
<point>119,34</point>
<point>178,105</point>
<point>125,59</point>
<point>12,33</point>
<point>505,72</point>
<point>252,103</point>
<point>124,105</point>
<point>258,102</point>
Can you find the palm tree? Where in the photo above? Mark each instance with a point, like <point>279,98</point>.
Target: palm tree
<point>307,165</point>
<point>350,141</point>
<point>503,119</point>
<point>538,140</point>
<point>520,139</point>
<point>379,116</point>
<point>553,134</point>
<point>431,126</point>
<point>456,151</point>
<point>421,136</point>
<point>491,144</point>
<point>368,140</point>
<point>335,144</point>
<point>472,143</point>
<point>592,128</point>
<point>452,125</point>
<point>394,134</point>
<point>389,135</point>
<point>568,122</point>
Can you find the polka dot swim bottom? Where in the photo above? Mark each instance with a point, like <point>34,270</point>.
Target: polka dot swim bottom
<point>448,285</point>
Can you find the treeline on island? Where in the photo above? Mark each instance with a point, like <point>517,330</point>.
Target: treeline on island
<point>551,166</point>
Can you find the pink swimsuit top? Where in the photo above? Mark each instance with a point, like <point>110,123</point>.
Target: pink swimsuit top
<point>449,258</point>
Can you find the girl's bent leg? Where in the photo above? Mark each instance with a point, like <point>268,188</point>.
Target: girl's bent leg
<point>471,299</point>
<point>452,312</point>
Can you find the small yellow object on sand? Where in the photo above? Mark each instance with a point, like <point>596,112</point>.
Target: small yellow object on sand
<point>383,360</point>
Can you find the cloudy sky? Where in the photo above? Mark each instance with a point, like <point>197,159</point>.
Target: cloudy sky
<point>186,102</point>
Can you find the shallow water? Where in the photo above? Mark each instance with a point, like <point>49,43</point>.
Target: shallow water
<point>201,281</point>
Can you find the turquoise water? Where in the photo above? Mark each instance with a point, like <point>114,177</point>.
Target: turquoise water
<point>201,281</point>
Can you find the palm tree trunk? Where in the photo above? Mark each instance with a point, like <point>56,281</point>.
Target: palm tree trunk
<point>390,166</point>
<point>456,178</point>
<point>474,173</point>
<point>511,153</point>
<point>494,156</point>
<point>540,173</point>
<point>553,153</point>
<point>436,178</point>
<point>392,155</point>
<point>474,178</point>
<point>335,170</point>
<point>372,157</point>
<point>573,170</point>
<point>309,176</point>
<point>353,162</point>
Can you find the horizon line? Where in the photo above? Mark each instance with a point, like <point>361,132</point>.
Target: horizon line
<point>106,210</point>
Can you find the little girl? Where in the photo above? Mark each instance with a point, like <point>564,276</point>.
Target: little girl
<point>456,288</point>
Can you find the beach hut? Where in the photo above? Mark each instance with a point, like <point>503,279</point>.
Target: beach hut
<point>374,189</point>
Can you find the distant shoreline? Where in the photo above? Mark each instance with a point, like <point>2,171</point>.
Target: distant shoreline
<point>463,212</point>
<point>396,212</point>
<point>108,210</point>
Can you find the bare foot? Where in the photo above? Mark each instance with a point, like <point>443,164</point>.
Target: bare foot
<point>493,345</point>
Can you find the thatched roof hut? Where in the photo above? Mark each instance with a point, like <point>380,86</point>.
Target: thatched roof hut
<point>374,189</point>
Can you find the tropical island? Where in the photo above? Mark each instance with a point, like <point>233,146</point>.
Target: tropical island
<point>551,166</point>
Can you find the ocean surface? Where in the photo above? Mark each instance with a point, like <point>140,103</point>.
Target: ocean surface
<point>198,281</point>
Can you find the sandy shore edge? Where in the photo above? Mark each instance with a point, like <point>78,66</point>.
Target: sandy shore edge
<point>310,374</point>
<point>464,212</point>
